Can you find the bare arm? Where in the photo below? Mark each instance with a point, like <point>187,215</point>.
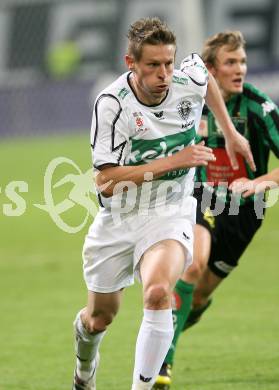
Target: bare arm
<point>235,142</point>
<point>191,156</point>
<point>273,176</point>
<point>262,183</point>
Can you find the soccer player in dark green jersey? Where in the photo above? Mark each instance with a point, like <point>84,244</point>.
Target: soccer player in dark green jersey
<point>228,211</point>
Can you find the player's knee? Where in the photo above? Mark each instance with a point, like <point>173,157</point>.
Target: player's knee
<point>157,296</point>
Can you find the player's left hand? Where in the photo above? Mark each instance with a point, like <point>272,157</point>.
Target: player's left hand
<point>236,143</point>
<point>247,187</point>
<point>242,186</point>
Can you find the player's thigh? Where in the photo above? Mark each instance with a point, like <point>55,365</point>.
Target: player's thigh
<point>164,248</point>
<point>202,245</point>
<point>162,263</point>
<point>201,253</point>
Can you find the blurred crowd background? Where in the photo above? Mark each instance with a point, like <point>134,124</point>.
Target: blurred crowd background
<point>56,55</point>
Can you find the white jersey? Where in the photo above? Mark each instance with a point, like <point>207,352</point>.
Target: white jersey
<point>128,132</point>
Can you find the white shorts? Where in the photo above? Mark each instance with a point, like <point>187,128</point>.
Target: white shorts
<point>111,253</point>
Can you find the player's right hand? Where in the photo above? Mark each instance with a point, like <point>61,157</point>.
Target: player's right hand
<point>194,156</point>
<point>239,144</point>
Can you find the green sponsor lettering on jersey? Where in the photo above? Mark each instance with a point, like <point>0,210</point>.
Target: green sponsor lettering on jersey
<point>144,151</point>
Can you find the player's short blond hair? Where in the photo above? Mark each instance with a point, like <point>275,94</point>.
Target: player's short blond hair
<point>150,31</point>
<point>232,39</point>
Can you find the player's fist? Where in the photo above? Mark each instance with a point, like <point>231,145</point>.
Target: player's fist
<point>194,156</point>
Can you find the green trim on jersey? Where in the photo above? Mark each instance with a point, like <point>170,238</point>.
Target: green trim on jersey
<point>257,118</point>
<point>123,93</point>
<point>180,80</point>
<point>144,151</point>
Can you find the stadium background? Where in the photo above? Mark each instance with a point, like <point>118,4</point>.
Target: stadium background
<point>55,55</point>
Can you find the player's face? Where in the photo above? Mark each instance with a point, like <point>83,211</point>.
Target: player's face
<point>230,70</point>
<point>152,74</point>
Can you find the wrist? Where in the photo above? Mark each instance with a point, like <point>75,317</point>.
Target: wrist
<point>229,131</point>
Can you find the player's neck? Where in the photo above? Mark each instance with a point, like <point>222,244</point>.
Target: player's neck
<point>142,95</point>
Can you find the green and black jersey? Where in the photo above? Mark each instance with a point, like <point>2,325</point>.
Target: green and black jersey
<point>256,117</point>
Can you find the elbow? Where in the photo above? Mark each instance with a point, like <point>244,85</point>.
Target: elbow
<point>104,185</point>
<point>107,193</point>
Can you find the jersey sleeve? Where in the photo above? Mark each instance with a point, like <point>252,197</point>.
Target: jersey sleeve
<point>271,129</point>
<point>267,117</point>
<point>194,67</point>
<point>109,138</point>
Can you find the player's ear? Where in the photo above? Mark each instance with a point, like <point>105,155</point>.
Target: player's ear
<point>211,69</point>
<point>130,62</point>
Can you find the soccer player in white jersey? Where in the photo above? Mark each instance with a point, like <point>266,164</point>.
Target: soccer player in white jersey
<point>143,131</point>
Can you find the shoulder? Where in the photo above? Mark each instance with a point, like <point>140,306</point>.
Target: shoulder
<point>117,91</point>
<point>194,68</point>
<point>258,99</point>
<point>253,93</point>
<point>180,78</point>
